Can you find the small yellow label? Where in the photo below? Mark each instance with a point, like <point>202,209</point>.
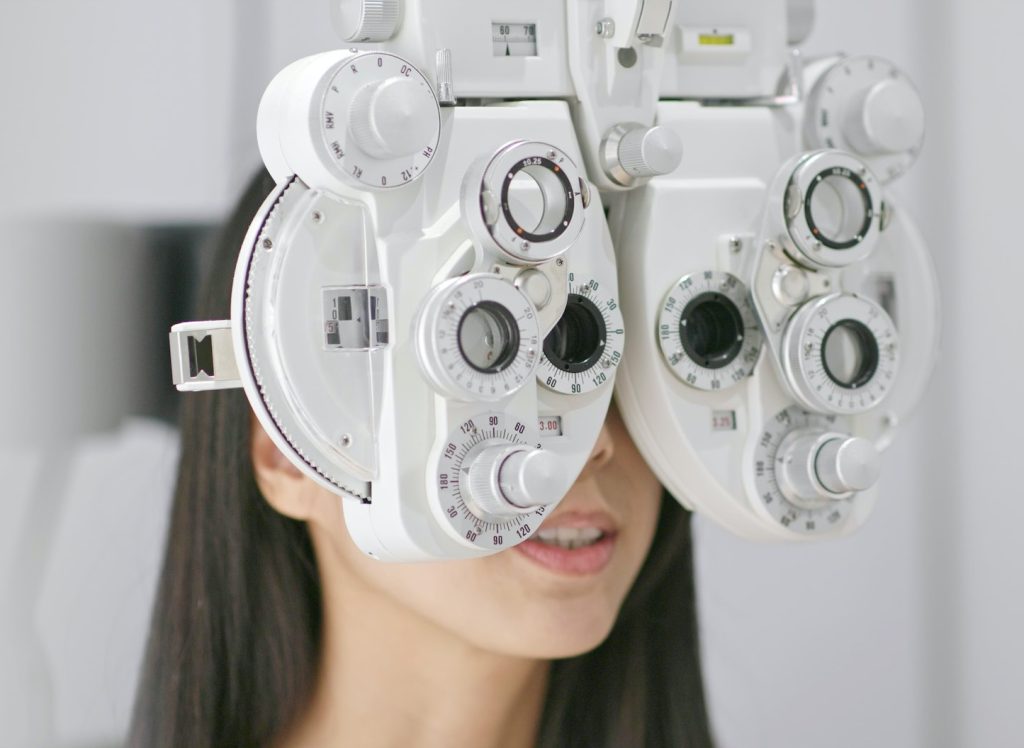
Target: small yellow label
<point>720,40</point>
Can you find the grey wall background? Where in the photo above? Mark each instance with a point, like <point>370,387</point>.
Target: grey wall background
<point>126,130</point>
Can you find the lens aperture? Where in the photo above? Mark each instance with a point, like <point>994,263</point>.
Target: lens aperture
<point>537,200</point>
<point>838,208</point>
<point>488,337</point>
<point>577,341</point>
<point>849,353</point>
<point>711,330</point>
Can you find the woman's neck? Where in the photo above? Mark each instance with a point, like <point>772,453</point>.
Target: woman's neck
<point>390,678</point>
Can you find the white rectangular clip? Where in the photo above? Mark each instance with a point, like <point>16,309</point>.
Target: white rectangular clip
<point>203,356</point>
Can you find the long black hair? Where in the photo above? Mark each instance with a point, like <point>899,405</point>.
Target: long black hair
<point>234,644</point>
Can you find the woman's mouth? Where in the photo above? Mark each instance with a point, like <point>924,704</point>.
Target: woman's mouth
<point>573,546</point>
<point>569,538</point>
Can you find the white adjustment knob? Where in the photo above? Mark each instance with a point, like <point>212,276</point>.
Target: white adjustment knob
<point>888,118</point>
<point>392,118</point>
<point>816,467</point>
<point>505,481</point>
<point>365,20</point>
<point>850,464</point>
<point>634,152</point>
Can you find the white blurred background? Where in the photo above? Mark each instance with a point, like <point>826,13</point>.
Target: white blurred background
<point>127,132</point>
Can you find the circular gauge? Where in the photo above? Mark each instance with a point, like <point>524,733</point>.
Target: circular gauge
<point>379,120</point>
<point>870,107</point>
<point>585,345</point>
<point>478,338</point>
<point>832,206</point>
<point>773,458</point>
<point>457,510</point>
<point>707,330</point>
<point>530,200</point>
<point>840,354</point>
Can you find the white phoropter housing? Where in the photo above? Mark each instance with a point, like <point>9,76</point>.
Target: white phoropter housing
<point>781,310</point>
<point>393,298</point>
<point>426,316</point>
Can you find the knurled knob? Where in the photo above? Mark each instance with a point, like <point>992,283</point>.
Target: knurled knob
<point>392,118</point>
<point>365,20</point>
<point>505,481</point>
<point>650,152</point>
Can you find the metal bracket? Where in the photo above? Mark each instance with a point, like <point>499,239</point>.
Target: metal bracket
<point>791,88</point>
<point>203,356</point>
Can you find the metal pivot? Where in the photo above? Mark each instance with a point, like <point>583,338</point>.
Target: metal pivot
<point>443,71</point>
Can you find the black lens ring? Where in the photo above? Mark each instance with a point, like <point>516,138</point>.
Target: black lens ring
<point>843,173</point>
<point>509,327</point>
<point>720,311</point>
<point>591,335</point>
<point>868,345</point>
<point>570,199</point>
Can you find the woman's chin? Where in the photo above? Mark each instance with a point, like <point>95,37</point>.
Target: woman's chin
<point>558,630</point>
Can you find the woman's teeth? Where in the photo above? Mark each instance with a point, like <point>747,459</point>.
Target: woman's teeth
<point>570,537</point>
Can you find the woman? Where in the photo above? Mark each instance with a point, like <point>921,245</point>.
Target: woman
<point>272,629</point>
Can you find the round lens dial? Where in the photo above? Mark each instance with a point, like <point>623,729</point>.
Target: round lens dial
<point>832,206</point>
<point>379,120</point>
<point>456,509</point>
<point>708,332</point>
<point>585,345</point>
<point>769,464</point>
<point>869,106</point>
<point>528,201</point>
<point>478,338</point>
<point>840,354</point>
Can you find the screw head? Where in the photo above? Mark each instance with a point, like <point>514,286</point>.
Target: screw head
<point>605,28</point>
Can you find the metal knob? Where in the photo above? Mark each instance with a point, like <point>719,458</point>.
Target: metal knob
<point>443,73</point>
<point>632,152</point>
<point>505,481</point>
<point>392,118</point>
<point>365,20</point>
<point>845,465</point>
<point>816,467</point>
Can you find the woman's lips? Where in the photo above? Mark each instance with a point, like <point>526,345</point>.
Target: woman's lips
<point>582,561</point>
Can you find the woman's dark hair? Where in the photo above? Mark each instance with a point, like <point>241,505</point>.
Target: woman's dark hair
<point>234,643</point>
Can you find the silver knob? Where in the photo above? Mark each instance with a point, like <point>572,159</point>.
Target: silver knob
<point>505,481</point>
<point>845,465</point>
<point>632,152</point>
<point>816,467</point>
<point>365,20</point>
